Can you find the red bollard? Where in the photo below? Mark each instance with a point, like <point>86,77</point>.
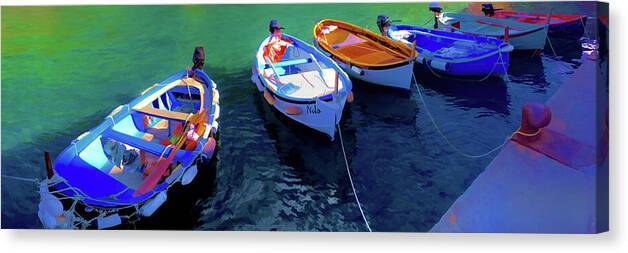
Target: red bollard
<point>506,33</point>
<point>534,117</point>
<point>555,145</point>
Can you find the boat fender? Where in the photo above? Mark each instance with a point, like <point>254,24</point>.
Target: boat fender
<point>420,58</point>
<point>350,97</point>
<point>50,208</point>
<point>51,205</point>
<point>207,153</point>
<point>216,111</point>
<point>109,221</point>
<point>152,205</point>
<point>440,65</point>
<point>189,175</point>
<point>215,127</point>
<point>357,70</point>
<point>47,220</point>
<point>269,98</point>
<point>215,96</point>
<point>207,131</point>
<point>210,146</point>
<point>293,110</point>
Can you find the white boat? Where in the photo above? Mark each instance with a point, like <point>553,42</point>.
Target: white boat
<point>365,55</point>
<point>304,85</point>
<point>522,36</point>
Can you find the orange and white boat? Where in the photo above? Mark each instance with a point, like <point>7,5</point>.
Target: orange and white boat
<point>366,55</point>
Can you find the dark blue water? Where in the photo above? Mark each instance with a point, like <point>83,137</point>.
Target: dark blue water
<point>287,178</point>
<point>272,174</point>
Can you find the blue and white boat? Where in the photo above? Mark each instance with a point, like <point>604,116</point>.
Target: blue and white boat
<point>122,169</point>
<point>456,54</point>
<point>302,83</point>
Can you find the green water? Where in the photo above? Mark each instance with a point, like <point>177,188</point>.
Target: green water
<point>60,64</point>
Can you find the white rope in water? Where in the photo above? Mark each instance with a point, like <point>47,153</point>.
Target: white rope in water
<point>416,84</point>
<point>584,28</point>
<point>342,144</point>
<point>23,179</point>
<point>551,46</point>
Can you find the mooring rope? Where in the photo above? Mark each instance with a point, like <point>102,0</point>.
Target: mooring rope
<point>440,132</point>
<point>351,180</point>
<point>584,28</point>
<point>551,46</point>
<point>23,179</point>
<point>428,21</point>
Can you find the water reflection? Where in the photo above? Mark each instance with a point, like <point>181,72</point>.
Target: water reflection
<point>491,94</point>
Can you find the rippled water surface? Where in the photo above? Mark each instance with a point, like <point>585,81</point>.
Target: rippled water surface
<point>65,68</point>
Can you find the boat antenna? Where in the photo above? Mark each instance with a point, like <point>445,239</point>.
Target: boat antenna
<point>436,8</point>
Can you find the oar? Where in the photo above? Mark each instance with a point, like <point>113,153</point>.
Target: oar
<point>157,173</point>
<point>162,165</point>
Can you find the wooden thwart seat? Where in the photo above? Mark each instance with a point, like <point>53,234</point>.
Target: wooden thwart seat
<point>308,84</point>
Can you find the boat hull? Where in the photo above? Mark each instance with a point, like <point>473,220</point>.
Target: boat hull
<point>528,41</point>
<point>563,26</point>
<point>522,36</point>
<point>493,65</point>
<point>396,77</point>
<point>319,115</point>
<point>568,30</point>
<point>399,76</point>
<point>473,56</point>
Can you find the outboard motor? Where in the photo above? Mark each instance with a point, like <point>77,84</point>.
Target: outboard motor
<point>382,20</point>
<point>436,8</point>
<point>199,58</point>
<point>489,10</point>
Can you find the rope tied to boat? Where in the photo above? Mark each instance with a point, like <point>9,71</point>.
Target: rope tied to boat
<point>22,179</point>
<point>440,132</point>
<point>584,28</point>
<point>520,132</point>
<point>549,41</point>
<point>342,145</point>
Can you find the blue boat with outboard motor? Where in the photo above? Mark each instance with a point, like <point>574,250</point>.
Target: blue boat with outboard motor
<point>451,53</point>
<point>122,169</point>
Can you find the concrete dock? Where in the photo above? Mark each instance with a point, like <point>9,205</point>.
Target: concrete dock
<point>523,190</point>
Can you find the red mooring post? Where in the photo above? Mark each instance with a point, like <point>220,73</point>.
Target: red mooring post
<point>48,161</point>
<point>506,33</point>
<point>534,117</point>
<point>336,83</point>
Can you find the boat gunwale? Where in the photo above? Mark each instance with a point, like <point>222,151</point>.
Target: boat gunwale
<point>384,41</point>
<point>522,29</point>
<point>565,18</point>
<point>500,46</point>
<point>312,50</point>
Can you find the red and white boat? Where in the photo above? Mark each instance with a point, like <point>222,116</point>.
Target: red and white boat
<point>560,25</point>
